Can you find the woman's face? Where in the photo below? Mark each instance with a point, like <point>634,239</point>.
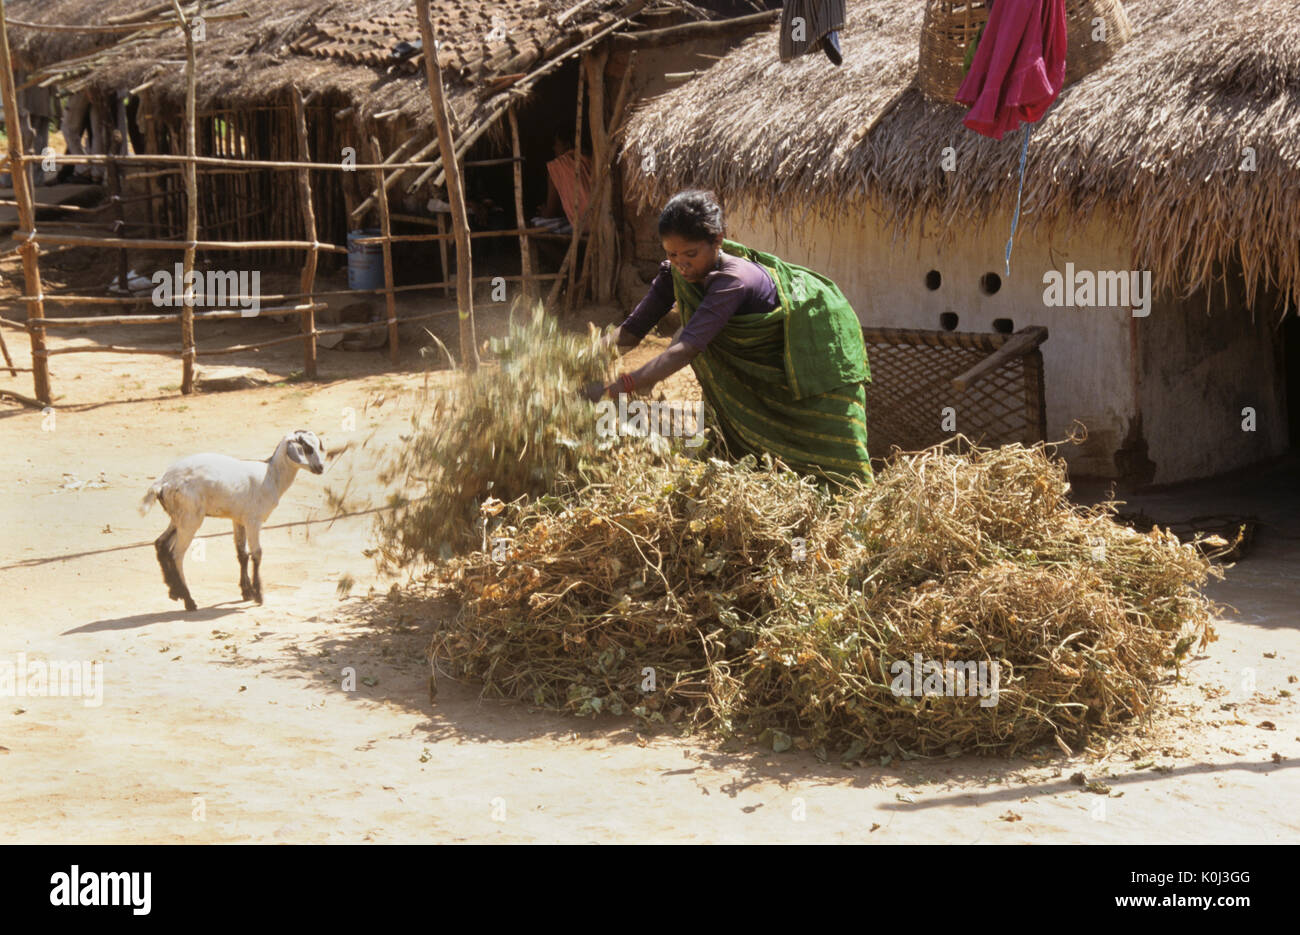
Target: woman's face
<point>694,259</point>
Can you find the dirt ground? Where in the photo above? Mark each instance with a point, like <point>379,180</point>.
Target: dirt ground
<point>230,723</point>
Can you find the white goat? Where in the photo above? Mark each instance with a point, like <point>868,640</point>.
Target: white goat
<point>244,492</point>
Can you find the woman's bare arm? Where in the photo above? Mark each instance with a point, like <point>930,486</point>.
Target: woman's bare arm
<point>653,371</point>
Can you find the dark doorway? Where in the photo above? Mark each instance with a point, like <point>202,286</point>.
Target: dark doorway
<point>1291,363</point>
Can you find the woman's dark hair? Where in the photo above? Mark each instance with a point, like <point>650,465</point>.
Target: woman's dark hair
<point>693,215</point>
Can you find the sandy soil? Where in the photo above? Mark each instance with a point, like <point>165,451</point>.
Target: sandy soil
<point>230,723</point>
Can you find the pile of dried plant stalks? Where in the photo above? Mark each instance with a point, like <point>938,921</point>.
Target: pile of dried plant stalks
<point>745,598</point>
<point>602,574</point>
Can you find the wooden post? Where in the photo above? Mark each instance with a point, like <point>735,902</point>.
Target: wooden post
<point>26,218</point>
<point>9,361</point>
<point>119,211</point>
<point>455,194</point>
<point>191,208</point>
<point>525,247</point>
<point>307,283</point>
<point>442,253</point>
<point>577,121</point>
<point>385,225</point>
<point>599,256</point>
<point>151,146</point>
<point>576,242</point>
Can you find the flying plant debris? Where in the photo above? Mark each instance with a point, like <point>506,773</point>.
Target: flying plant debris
<point>519,429</point>
<point>744,598</point>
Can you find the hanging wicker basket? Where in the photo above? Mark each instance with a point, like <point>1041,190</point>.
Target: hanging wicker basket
<point>952,25</point>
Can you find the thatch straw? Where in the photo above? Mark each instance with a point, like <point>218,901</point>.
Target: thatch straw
<point>516,429</point>
<point>759,603</point>
<point>1155,139</point>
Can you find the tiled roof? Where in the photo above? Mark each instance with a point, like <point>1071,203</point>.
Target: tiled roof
<point>478,40</point>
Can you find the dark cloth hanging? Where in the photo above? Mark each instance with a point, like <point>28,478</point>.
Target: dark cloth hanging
<point>822,21</point>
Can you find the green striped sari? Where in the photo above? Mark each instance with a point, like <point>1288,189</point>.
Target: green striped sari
<point>789,382</point>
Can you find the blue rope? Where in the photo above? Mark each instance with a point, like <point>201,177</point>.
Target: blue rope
<point>1015,220</point>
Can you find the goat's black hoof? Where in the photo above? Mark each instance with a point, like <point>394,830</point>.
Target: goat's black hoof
<point>248,593</point>
<point>190,605</point>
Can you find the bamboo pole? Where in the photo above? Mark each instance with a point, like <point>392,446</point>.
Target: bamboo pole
<point>234,349</point>
<point>9,361</point>
<point>360,210</point>
<point>684,32</point>
<point>595,261</point>
<point>26,218</point>
<point>385,225</point>
<point>443,254</point>
<point>111,348</point>
<point>119,212</point>
<point>138,15</point>
<point>71,240</point>
<point>525,248</point>
<point>460,222</point>
<point>220,161</point>
<point>151,143</point>
<point>192,207</point>
<point>126,27</point>
<point>577,155</point>
<point>1022,343</point>
<point>279,297</point>
<point>307,281</point>
<point>174,318</point>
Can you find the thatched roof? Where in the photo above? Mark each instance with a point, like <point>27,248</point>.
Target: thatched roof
<point>327,46</point>
<point>36,47</point>
<point>1157,136</point>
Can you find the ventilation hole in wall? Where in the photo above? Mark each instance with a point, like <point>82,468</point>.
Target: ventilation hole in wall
<point>948,321</point>
<point>933,280</point>
<point>1003,325</point>
<point>990,283</point>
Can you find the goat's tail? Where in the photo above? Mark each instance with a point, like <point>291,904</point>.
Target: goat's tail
<point>149,497</point>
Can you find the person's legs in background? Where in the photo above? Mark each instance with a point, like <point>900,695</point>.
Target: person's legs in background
<point>76,120</point>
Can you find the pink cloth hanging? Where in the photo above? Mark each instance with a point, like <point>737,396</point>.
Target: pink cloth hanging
<point>1019,66</point>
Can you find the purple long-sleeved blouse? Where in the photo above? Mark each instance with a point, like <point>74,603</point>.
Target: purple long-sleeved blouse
<point>737,287</point>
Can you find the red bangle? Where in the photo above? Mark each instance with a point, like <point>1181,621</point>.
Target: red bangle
<point>628,386</point>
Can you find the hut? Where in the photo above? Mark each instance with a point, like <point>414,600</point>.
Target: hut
<point>515,74</point>
<point>1180,158</point>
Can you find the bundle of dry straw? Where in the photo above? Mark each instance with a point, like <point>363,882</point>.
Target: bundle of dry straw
<point>959,603</point>
<point>748,599</point>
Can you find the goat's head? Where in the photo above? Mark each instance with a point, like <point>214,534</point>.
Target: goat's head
<point>305,449</point>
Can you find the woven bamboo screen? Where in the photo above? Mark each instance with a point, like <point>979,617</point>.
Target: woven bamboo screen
<point>912,384</point>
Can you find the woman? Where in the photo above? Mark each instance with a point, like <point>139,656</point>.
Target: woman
<point>777,349</point>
